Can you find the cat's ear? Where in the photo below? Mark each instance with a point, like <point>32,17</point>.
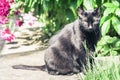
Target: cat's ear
<point>97,11</point>
<point>80,11</point>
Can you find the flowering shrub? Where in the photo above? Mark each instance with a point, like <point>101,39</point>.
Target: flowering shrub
<point>6,35</point>
<point>19,22</point>
<point>9,9</point>
<point>3,19</point>
<point>29,19</point>
<point>4,7</point>
<point>5,12</point>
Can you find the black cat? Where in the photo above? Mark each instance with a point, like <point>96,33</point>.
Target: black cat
<point>66,52</point>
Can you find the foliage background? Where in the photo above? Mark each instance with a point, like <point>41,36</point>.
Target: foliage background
<point>57,13</point>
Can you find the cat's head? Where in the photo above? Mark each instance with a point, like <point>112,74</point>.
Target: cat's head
<point>89,19</point>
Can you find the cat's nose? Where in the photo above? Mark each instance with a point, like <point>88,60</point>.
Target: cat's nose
<point>90,26</point>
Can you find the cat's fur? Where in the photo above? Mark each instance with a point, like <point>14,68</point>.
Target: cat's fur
<point>66,52</point>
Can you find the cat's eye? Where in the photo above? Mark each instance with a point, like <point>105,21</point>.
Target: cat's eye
<point>95,23</point>
<point>94,13</point>
<point>84,13</point>
<point>96,19</point>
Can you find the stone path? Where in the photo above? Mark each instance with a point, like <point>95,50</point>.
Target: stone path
<point>33,59</point>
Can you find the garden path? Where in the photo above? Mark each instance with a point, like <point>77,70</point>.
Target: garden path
<point>33,59</point>
<point>36,58</point>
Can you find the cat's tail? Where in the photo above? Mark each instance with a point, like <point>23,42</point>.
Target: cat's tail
<point>27,67</point>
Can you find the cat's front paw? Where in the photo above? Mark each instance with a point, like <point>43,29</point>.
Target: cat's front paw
<point>53,72</point>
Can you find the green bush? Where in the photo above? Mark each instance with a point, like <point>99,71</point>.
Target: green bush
<point>110,29</point>
<point>110,18</point>
<point>108,46</point>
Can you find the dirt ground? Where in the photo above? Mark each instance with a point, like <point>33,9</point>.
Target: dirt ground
<point>31,58</point>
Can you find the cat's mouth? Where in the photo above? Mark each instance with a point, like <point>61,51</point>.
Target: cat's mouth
<point>87,29</point>
<point>90,29</point>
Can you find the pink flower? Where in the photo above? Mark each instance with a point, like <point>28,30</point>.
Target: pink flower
<point>4,8</point>
<point>29,19</point>
<point>19,23</point>
<point>3,20</point>
<point>6,35</point>
<point>16,12</point>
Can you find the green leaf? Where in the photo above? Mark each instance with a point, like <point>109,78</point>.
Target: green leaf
<point>88,4</point>
<point>35,1</point>
<point>73,10</point>
<point>79,3</point>
<point>111,40</point>
<point>116,48</point>
<point>73,7</point>
<point>109,5</point>
<point>30,3</point>
<point>98,48</point>
<point>106,48</point>
<point>103,19</point>
<point>117,44</point>
<point>116,24</point>
<point>109,11</point>
<point>103,40</point>
<point>105,27</point>
<point>117,12</point>
<point>115,2</point>
<point>113,53</point>
<point>45,6</point>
